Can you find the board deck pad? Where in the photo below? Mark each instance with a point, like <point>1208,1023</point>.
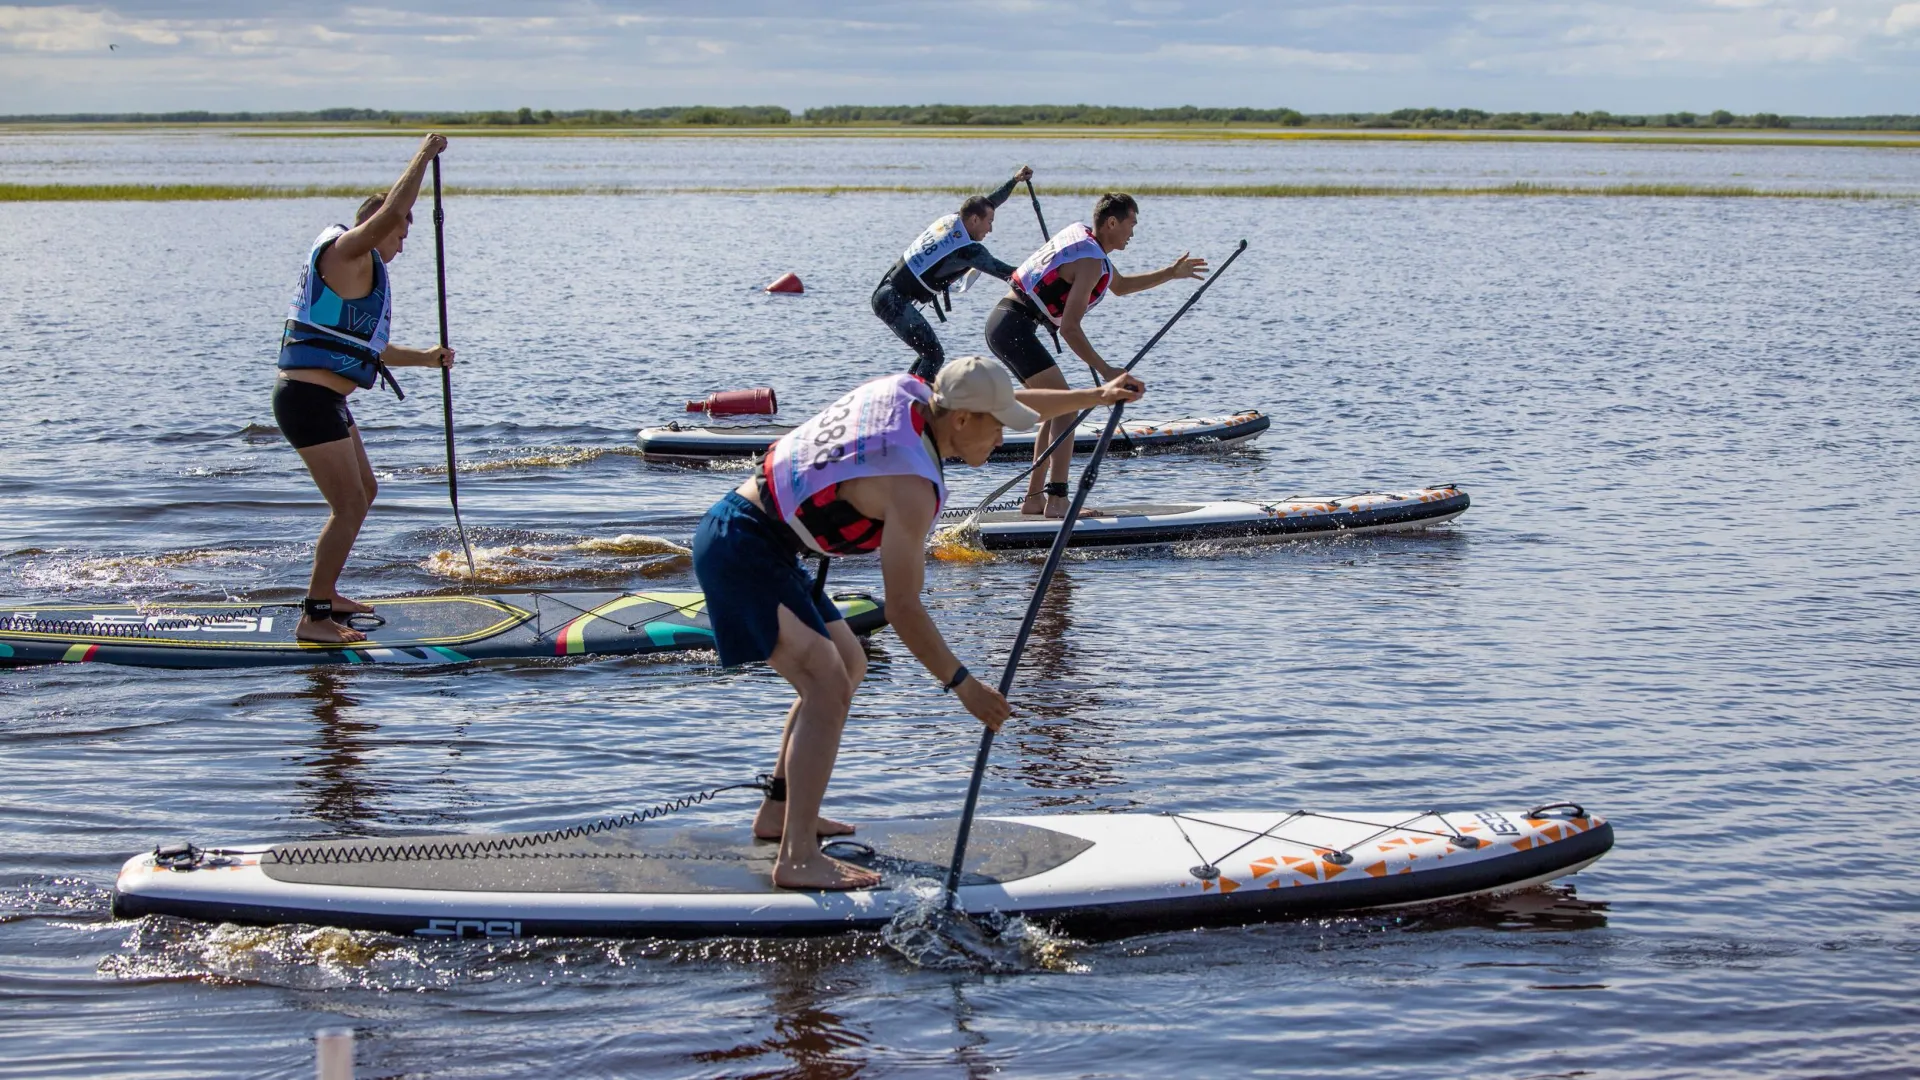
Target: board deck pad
<point>1093,875</point>
<point>415,630</point>
<point>677,860</point>
<point>1004,528</point>
<point>728,443</point>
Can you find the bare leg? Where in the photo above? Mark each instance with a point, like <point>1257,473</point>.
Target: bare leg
<point>818,673</point>
<point>372,488</point>
<point>1055,468</point>
<point>770,822</point>
<point>337,469</point>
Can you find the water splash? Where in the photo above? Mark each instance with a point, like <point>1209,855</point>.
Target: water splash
<point>534,563</point>
<point>929,936</point>
<point>66,574</point>
<point>959,543</point>
<point>543,457</point>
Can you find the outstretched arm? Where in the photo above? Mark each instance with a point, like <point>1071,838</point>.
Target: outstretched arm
<point>1051,403</point>
<point>1186,266</point>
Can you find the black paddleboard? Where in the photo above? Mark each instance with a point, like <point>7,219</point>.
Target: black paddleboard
<point>689,444</point>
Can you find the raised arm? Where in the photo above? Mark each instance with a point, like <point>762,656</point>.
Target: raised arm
<point>366,235</point>
<point>1005,191</point>
<point>1186,266</point>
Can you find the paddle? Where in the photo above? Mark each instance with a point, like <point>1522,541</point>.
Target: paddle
<point>981,508</point>
<point>446,375</point>
<point>1037,215</point>
<point>1087,478</point>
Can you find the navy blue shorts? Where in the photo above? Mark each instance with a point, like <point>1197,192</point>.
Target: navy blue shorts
<point>748,571</point>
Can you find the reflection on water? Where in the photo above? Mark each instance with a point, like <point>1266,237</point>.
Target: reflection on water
<point>808,1038</point>
<point>1061,739</point>
<point>336,780</point>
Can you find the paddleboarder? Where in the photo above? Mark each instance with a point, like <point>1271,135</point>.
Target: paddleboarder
<point>1056,287</point>
<point>863,476</point>
<point>940,256</point>
<point>335,342</point>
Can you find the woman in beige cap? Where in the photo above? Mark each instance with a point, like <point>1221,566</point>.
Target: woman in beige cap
<point>832,486</point>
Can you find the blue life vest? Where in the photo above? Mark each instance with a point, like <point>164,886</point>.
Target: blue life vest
<point>327,331</point>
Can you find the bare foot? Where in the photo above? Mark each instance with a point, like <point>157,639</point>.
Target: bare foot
<point>823,873</point>
<point>1033,505</point>
<point>770,822</point>
<point>1056,506</point>
<point>344,606</point>
<point>326,632</point>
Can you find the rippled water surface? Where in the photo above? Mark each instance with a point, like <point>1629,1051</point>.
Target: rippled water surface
<point>1685,596</point>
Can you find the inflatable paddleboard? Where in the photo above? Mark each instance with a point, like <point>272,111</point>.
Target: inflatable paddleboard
<point>694,444</point>
<point>1091,875</point>
<point>1005,529</point>
<point>411,630</point>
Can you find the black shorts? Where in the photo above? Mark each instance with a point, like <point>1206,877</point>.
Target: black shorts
<point>1013,336</point>
<point>748,569</point>
<point>310,415</point>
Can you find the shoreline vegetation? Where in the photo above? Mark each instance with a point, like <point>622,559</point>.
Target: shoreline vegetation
<point>1003,116</point>
<point>228,192</point>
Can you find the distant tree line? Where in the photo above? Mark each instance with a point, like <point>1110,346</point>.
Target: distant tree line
<point>1012,116</point>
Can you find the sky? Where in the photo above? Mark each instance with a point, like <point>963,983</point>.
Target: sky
<point>1804,57</point>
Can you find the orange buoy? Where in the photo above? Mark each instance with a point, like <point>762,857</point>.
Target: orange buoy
<point>787,283</point>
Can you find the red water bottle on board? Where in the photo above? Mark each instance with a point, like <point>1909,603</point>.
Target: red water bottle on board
<point>758,401</point>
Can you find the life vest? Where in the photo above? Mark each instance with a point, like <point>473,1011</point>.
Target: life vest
<point>327,331</point>
<point>879,429</point>
<point>1039,277</point>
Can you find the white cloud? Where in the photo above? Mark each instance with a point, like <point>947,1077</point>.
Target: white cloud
<point>1622,55</point>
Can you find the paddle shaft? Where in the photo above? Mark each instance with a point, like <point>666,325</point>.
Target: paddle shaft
<point>1037,215</point>
<point>1060,539</point>
<point>446,375</point>
<point>1075,426</point>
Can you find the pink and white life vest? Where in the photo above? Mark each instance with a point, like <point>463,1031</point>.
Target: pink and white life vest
<point>879,429</point>
<point>1039,277</point>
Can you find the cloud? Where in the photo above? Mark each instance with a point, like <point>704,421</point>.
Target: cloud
<point>1318,55</point>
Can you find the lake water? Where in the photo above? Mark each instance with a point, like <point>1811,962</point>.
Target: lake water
<point>1686,596</point>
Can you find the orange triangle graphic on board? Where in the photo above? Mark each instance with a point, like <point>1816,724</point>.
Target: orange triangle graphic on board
<point>1227,884</point>
<point>1206,886</point>
<point>1523,843</point>
<point>1263,866</point>
<point>1378,869</point>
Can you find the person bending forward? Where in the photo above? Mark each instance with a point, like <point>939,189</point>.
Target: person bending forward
<point>942,254</point>
<point>1056,287</point>
<point>865,475</point>
<point>335,342</point>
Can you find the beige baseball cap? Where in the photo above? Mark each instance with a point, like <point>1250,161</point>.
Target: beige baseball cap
<point>977,384</point>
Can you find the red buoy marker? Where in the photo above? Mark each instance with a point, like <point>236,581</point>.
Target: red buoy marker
<point>787,283</point>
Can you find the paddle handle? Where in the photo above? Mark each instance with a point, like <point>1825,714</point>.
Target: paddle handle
<point>1045,235</point>
<point>446,374</point>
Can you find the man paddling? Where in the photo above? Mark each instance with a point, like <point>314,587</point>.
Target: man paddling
<point>1057,286</point>
<point>863,476</point>
<point>940,256</point>
<point>335,342</point>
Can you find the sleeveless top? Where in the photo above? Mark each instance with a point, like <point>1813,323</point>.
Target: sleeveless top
<point>1039,277</point>
<point>880,429</point>
<point>324,330</point>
